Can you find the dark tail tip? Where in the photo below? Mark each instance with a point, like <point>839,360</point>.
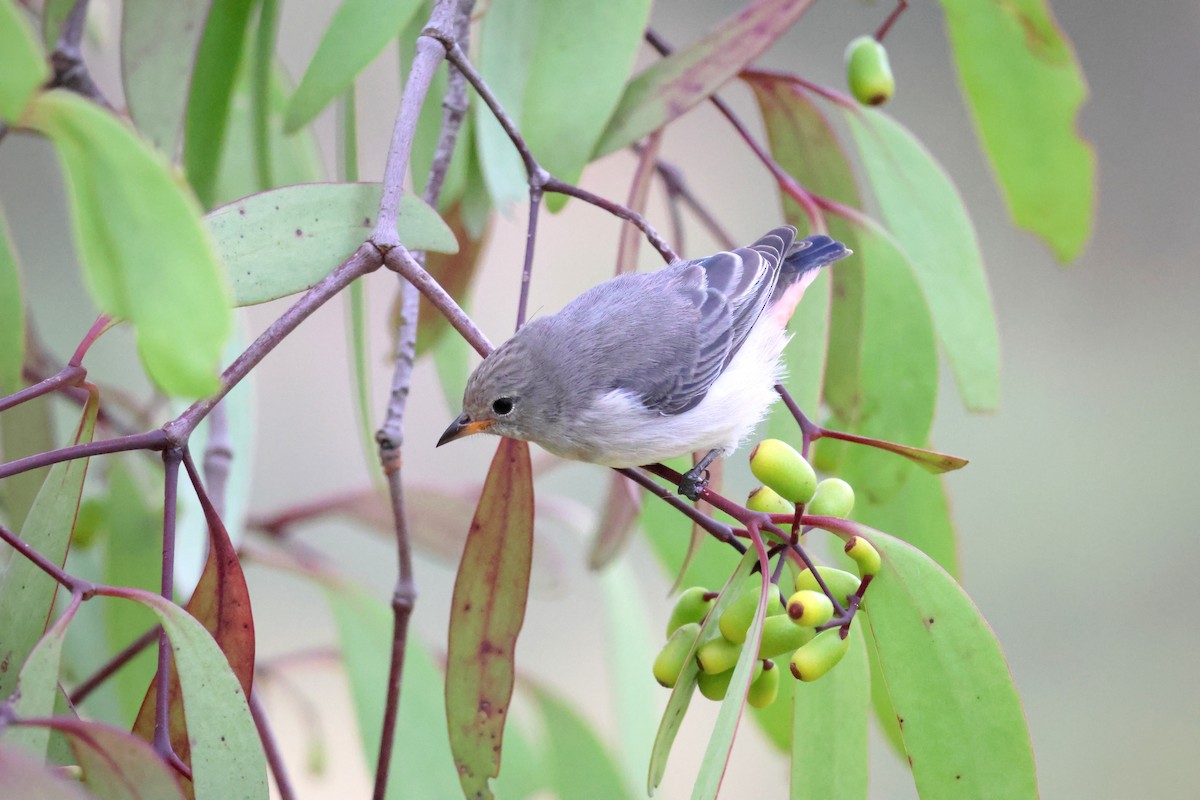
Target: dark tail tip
<point>813,253</point>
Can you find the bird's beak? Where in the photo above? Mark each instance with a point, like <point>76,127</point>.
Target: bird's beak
<point>463,426</point>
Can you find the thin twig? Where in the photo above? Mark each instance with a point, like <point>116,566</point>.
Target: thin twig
<point>400,261</point>
<point>64,579</point>
<point>535,206</point>
<point>162,701</point>
<point>271,748</point>
<point>70,71</point>
<point>639,194</point>
<point>151,440</point>
<point>114,664</point>
<point>901,5</point>
<point>66,377</point>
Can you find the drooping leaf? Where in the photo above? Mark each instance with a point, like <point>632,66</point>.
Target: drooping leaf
<point>224,750</point>
<point>581,766</point>
<point>958,709</point>
<point>28,777</point>
<point>117,765</point>
<point>829,729</point>
<point>139,236</point>
<point>159,42</point>
<point>12,313</point>
<point>688,77</point>
<point>27,593</point>
<point>25,67</point>
<point>486,616</point>
<point>37,686</point>
<point>206,117</point>
<point>280,242</point>
<point>925,213</point>
<point>1025,89</point>
<point>358,32</point>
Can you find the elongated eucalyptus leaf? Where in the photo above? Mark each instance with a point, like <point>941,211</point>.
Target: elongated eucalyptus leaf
<point>506,47</point>
<point>23,67</point>
<point>28,777</point>
<point>688,77</point>
<point>139,235</point>
<point>281,242</point>
<point>117,765</point>
<point>925,212</point>
<point>958,710</point>
<point>581,766</point>
<point>37,687</point>
<point>27,593</point>
<point>1025,89</point>
<point>486,616</point>
<point>158,50</point>
<point>358,32</point>
<point>829,729</point>
<point>225,753</point>
<point>12,315</point>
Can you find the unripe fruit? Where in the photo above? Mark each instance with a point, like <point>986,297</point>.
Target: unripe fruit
<point>841,583</point>
<point>768,501</point>
<point>669,661</point>
<point>736,618</point>
<point>868,71</point>
<point>865,556</point>
<point>809,609</point>
<point>781,467</point>
<point>714,687</point>
<point>781,636</point>
<point>717,655</point>
<point>833,498</point>
<point>690,607</point>
<point>820,655</point>
<point>765,687</point>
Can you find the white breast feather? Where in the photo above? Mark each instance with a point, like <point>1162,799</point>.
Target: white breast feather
<point>618,431</point>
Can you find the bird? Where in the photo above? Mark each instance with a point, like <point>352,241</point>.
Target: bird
<point>649,366</point>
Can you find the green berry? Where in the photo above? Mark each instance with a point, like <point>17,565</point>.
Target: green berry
<point>841,583</point>
<point>868,71</point>
<point>809,609</point>
<point>865,556</point>
<point>833,498</point>
<point>691,606</point>
<point>714,687</point>
<point>781,636</point>
<point>669,662</point>
<point>765,687</point>
<point>736,618</point>
<point>781,467</point>
<point>768,501</point>
<point>820,655</point>
<point>717,655</point>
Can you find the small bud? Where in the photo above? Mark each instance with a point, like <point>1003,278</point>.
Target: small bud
<point>865,555</point>
<point>810,609</point>
<point>691,606</point>
<point>765,687</point>
<point>717,655</point>
<point>820,655</point>
<point>781,636</point>
<point>833,498</point>
<point>841,583</point>
<point>768,501</point>
<point>868,71</point>
<point>781,467</point>
<point>669,662</point>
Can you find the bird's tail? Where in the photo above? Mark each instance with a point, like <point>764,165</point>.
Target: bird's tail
<point>800,268</point>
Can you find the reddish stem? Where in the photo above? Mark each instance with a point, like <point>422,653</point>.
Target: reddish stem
<point>102,323</point>
<point>66,377</point>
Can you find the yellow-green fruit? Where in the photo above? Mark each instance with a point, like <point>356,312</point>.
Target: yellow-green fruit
<point>868,71</point>
<point>833,498</point>
<point>781,636</point>
<point>691,606</point>
<point>841,583</point>
<point>714,687</point>
<point>768,501</point>
<point>809,609</point>
<point>717,655</point>
<point>736,618</point>
<point>864,554</point>
<point>669,662</point>
<point>781,467</point>
<point>820,655</point>
<point>765,687</point>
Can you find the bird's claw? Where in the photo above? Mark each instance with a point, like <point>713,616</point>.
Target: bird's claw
<point>693,483</point>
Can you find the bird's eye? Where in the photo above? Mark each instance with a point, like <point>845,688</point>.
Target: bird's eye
<point>503,406</point>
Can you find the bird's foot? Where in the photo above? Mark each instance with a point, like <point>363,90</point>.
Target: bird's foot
<point>693,482</point>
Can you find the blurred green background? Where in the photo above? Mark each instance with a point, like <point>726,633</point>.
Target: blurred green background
<point>1073,515</point>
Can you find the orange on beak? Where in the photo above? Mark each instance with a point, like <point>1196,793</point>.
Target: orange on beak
<point>463,426</point>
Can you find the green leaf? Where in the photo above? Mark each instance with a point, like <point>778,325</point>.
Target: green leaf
<point>23,67</point>
<point>581,767</point>
<point>27,593</point>
<point>955,700</point>
<point>1025,88</point>
<point>24,430</point>
<point>206,118</point>
<point>685,684</point>
<point>422,765</point>
<point>486,614</point>
<point>925,213</point>
<point>26,777</point>
<point>158,50</point>
<point>829,729</point>
<point>142,244</point>
<point>117,765</point>
<point>881,704</point>
<point>691,75</point>
<point>12,314</point>
<point>919,513</point>
<point>358,32</point>
<point>284,241</point>
<point>804,358</point>
<point>226,754</point>
<point>37,686</point>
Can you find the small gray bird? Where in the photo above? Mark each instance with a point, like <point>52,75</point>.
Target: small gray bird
<point>649,366</point>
